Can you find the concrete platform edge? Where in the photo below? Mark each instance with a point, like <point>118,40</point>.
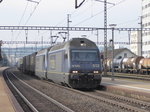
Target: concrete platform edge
<point>12,98</point>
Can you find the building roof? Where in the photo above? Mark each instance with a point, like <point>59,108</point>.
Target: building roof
<point>116,52</point>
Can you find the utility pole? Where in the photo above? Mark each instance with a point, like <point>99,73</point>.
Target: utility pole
<point>24,49</point>
<point>68,24</point>
<point>113,27</point>
<point>26,34</point>
<point>141,23</point>
<point>105,34</point>
<point>129,36</point>
<point>97,34</point>
<point>42,41</point>
<point>105,37</point>
<point>50,36</point>
<point>16,51</point>
<point>36,47</point>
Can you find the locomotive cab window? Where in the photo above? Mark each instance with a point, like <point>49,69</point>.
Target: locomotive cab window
<point>84,55</point>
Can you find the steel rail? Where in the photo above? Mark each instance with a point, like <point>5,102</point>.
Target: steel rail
<point>22,96</point>
<point>107,101</point>
<point>115,103</point>
<point>141,104</point>
<point>45,96</point>
<point>130,76</point>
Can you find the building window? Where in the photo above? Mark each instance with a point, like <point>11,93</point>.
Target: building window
<point>125,55</point>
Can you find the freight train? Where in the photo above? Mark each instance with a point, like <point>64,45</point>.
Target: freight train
<point>75,63</point>
<point>138,65</point>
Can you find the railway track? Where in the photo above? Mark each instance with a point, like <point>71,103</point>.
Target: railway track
<point>36,100</point>
<point>124,103</point>
<point>129,76</point>
<point>128,101</point>
<point>107,102</point>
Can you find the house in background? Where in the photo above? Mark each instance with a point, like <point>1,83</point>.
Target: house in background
<point>119,53</point>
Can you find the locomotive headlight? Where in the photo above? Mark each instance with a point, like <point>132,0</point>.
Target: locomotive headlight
<point>74,71</point>
<point>83,44</point>
<point>95,71</point>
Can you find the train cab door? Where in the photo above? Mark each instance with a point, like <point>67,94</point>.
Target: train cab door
<point>44,66</point>
<point>65,66</point>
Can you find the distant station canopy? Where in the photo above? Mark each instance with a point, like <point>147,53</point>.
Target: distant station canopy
<point>78,3</point>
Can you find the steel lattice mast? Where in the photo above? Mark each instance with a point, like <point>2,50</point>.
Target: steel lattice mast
<point>105,37</point>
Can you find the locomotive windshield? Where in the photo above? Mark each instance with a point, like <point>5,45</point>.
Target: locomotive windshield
<point>84,55</point>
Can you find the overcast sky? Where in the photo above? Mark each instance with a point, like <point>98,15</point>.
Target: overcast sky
<point>54,13</point>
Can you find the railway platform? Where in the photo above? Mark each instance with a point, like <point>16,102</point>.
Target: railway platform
<point>8,102</point>
<point>131,88</point>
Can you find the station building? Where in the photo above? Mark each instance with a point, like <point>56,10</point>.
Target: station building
<point>136,36</point>
<point>120,53</point>
<point>135,42</point>
<point>146,24</point>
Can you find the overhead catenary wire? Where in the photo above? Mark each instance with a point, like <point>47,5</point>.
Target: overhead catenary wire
<point>129,21</point>
<point>23,13</point>
<point>72,13</point>
<point>31,14</point>
<point>99,13</point>
<point>92,15</point>
<point>63,21</point>
<point>21,20</point>
<point>12,35</point>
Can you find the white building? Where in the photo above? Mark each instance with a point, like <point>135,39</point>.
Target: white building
<point>135,42</point>
<point>120,53</point>
<point>146,24</point>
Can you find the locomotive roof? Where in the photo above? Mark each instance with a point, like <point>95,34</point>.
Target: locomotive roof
<point>43,51</point>
<point>75,43</point>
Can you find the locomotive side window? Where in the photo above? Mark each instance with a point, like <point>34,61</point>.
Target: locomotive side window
<point>43,63</point>
<point>32,60</point>
<point>84,55</point>
<point>37,61</point>
<point>52,62</point>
